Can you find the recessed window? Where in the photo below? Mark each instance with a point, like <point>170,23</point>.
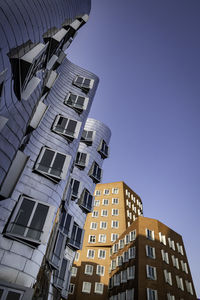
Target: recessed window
<point>92,239</point>
<point>127,239</point>
<point>115,212</point>
<point>86,288</point>
<point>115,224</point>
<point>125,256</point>
<point>168,277</point>
<point>56,254</point>
<point>102,254</point>
<point>74,185</point>
<point>93,225</point>
<point>9,293</point>
<point>97,193</point>
<point>90,253</point>
<point>102,238</point>
<point>89,269</point>
<point>151,272</point>
<point>100,270</point>
<point>77,235</point>
<point>62,275</point>
<point>131,272</point>
<point>123,276</point>
<point>86,201</point>
<point>71,288</point>
<point>67,127</point>
<point>52,164</point>
<point>30,221</point>
<point>119,260</point>
<point>152,294</point>
<point>78,103</point>
<point>74,271</point>
<point>87,137</point>
<point>114,237</point>
<point>81,160</point>
<point>113,264</point>
<point>130,294</point>
<point>150,234</point>
<point>106,191</point>
<point>179,282</point>
<point>189,287</point>
<point>184,267</point>
<point>66,223</point>
<point>150,252</point>
<point>96,202</point>
<point>104,213</point>
<point>175,262</point>
<point>115,190</point>
<point>115,248</point>
<point>116,279</point>
<point>162,238</point>
<point>95,172</point>
<point>95,214</point>
<point>105,202</point>
<point>85,84</point>
<point>115,201</point>
<point>103,225</point>
<point>171,244</point>
<point>132,251</point>
<point>98,288</point>
<point>165,256</point>
<point>103,150</point>
<point>121,244</point>
<point>170,297</point>
<point>180,248</point>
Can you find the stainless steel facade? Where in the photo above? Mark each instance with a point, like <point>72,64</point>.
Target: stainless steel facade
<point>46,183</point>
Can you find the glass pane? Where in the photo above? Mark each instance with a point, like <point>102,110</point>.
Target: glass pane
<point>57,249</point>
<point>75,187</point>
<point>46,160</point>
<point>60,126</point>
<point>63,269</point>
<point>83,157</point>
<point>79,80</point>
<point>13,296</point>
<point>38,221</point>
<point>78,236</point>
<point>20,223</point>
<point>1,293</point>
<point>62,219</point>
<point>71,127</point>
<point>80,102</point>
<point>87,82</point>
<point>89,134</point>
<point>67,224</point>
<point>58,164</point>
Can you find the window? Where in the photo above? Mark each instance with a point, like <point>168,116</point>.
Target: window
<point>71,288</point>
<point>125,256</point>
<point>151,272</point>
<point>115,212</point>
<point>119,260</point>
<point>98,288</point>
<point>165,256</point>
<point>30,221</point>
<point>132,251</point>
<point>87,137</point>
<point>92,239</point>
<point>78,103</point>
<point>150,251</point>
<point>77,256</point>
<point>93,225</point>
<point>106,191</point>
<point>74,185</point>
<point>89,269</point>
<point>130,294</point>
<point>100,270</point>
<point>81,160</point>
<point>95,172</point>
<point>115,190</point>
<point>179,282</point>
<point>113,264</point>
<point>170,297</point>
<point>128,223</point>
<point>150,234</point>
<point>77,235</point>
<point>115,201</point>
<point>52,164</point>
<point>86,201</point>
<point>103,150</point>
<point>115,224</point>
<point>131,272</point>
<point>61,277</point>
<point>103,225</point>
<point>175,262</point>
<point>74,271</point>
<point>189,287</point>
<point>180,249</point>
<point>127,239</point>
<point>97,193</point>
<point>115,248</point>
<point>96,202</point>
<point>95,214</point>
<point>105,202</point>
<point>171,244</point>
<point>152,294</point>
<point>168,277</point>
<point>114,237</point>
<point>86,288</point>
<point>7,293</point>
<point>102,254</point>
<point>162,238</point>
<point>104,213</point>
<point>123,276</point>
<point>121,244</point>
<point>58,248</point>
<point>117,279</point>
<point>102,238</point>
<point>83,83</point>
<point>90,253</point>
<point>184,267</point>
<point>66,223</point>
<point>66,127</point>
<point>133,235</point>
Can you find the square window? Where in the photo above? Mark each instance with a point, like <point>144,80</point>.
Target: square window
<point>102,238</point>
<point>74,271</point>
<point>115,212</point>
<point>115,224</point>
<point>92,239</point>
<point>104,213</point>
<point>78,103</point>
<point>97,193</point>
<point>86,288</point>
<point>87,137</point>
<point>96,202</point>
<point>95,214</point>
<point>81,160</point>
<point>85,84</point>
<point>150,234</point>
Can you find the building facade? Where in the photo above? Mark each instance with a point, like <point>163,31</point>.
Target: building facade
<point>51,152</point>
<point>116,207</point>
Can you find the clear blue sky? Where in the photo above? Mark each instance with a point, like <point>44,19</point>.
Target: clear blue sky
<point>147,55</point>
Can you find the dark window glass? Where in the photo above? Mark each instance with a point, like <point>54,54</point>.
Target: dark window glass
<point>57,248</point>
<point>38,221</point>
<point>58,164</point>
<point>61,124</point>
<point>13,296</point>
<point>87,82</point>
<point>1,88</point>
<point>67,224</point>
<point>71,127</point>
<point>80,102</point>
<point>75,186</point>
<point>1,293</point>
<point>79,80</point>
<point>89,134</point>
<point>46,160</point>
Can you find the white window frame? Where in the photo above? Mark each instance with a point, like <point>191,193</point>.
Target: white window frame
<point>131,272</point>
<point>115,201</point>
<point>97,193</point>
<point>151,272</point>
<point>132,252</point>
<point>97,290</point>
<point>175,262</point>
<point>150,234</point>
<point>89,252</point>
<point>106,192</point>
<point>81,85</point>
<point>96,202</point>
<point>115,191</point>
<point>150,250</point>
<point>74,271</point>
<point>103,225</point>
<point>152,294</point>
<point>168,277</point>
<point>95,214</point>
<point>100,251</point>
<point>115,224</point>
<point>92,226</point>
<point>92,239</point>
<point>88,269</point>
<point>86,287</point>
<point>162,238</point>
<point>132,235</point>
<point>115,212</point>
<point>71,288</point>
<point>165,256</point>
<point>102,238</point>
<point>114,237</point>
<point>104,213</point>
<point>100,270</point>
<point>105,202</point>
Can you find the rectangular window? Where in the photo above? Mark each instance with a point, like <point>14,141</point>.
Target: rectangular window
<point>151,272</point>
<point>168,277</point>
<point>86,201</point>
<point>117,279</point>
<point>71,288</point>
<point>102,254</point>
<point>105,202</point>
<point>130,294</point>
<point>89,269</point>
<point>115,248</point>
<point>115,224</point>
<point>58,248</point>
<point>170,297</point>
<point>66,127</point>
<point>189,287</point>
<point>77,235</point>
<point>171,244</point>
<point>85,84</point>
<point>93,225</point>
<point>102,238</point>
<point>175,262</point>
<point>125,256</point>
<point>119,260</point>
<point>115,191</point>
<point>132,252</point>
<point>184,267</point>
<point>152,294</point>
<point>114,237</point>
<point>87,137</point>
<point>103,150</point>
<point>74,271</point>
<point>95,172</point>
<point>86,287</point>
<point>104,213</point>
<point>81,160</point>
<point>165,256</point>
<point>53,164</point>
<point>92,239</point>
<point>106,191</point>
<point>150,252</point>
<point>95,214</point>
<point>77,256</point>
<point>90,253</point>
<point>179,283</point>
<point>97,193</point>
<point>103,225</point>
<point>66,223</point>
<point>30,221</point>
<point>127,239</point>
<point>113,264</point>
<point>115,201</point>
<point>61,277</point>
<point>78,103</point>
<point>150,234</point>
<point>121,244</point>
<point>100,270</point>
<point>98,288</point>
<point>131,272</point>
<point>115,212</point>
<point>96,202</point>
<point>162,238</point>
<point>133,235</point>
<point>74,185</point>
<point>123,276</point>
<point>180,248</point>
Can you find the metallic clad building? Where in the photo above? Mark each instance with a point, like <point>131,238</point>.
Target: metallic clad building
<point>50,159</point>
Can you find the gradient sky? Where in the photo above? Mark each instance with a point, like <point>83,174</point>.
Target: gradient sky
<point>147,55</point>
